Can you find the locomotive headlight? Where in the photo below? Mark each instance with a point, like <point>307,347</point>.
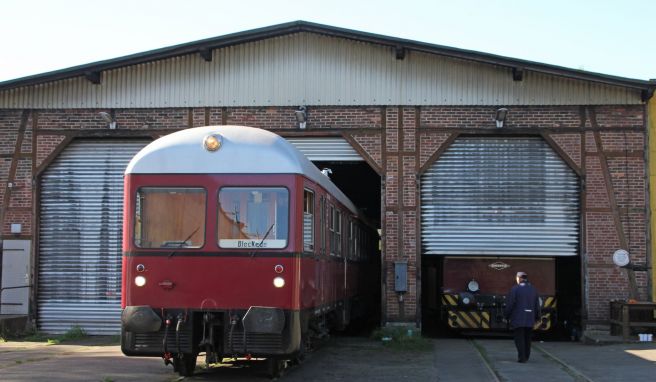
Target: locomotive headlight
<point>140,281</point>
<point>212,143</point>
<point>473,286</point>
<point>279,282</point>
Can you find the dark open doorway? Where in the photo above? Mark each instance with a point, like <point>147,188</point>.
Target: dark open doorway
<point>360,183</point>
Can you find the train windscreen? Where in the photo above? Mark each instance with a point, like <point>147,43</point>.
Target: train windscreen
<point>253,217</point>
<point>170,217</point>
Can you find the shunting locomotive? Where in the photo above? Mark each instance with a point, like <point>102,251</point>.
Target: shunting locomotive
<point>236,245</point>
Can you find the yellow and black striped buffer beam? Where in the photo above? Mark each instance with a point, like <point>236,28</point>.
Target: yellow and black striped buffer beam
<point>463,319</point>
<point>450,299</point>
<point>549,302</point>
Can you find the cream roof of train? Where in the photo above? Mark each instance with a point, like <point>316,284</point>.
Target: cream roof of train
<point>244,150</point>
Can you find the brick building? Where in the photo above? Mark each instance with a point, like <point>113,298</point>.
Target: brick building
<point>383,112</point>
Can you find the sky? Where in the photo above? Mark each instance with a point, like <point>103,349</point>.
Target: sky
<point>602,36</point>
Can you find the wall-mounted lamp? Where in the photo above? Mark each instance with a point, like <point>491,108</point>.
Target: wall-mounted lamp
<point>500,118</point>
<point>301,116</point>
<point>111,122</point>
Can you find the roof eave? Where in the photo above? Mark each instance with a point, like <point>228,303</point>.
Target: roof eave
<point>92,70</point>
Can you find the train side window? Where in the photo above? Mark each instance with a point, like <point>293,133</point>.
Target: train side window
<point>331,230</point>
<point>322,224</point>
<point>356,245</point>
<point>170,217</point>
<point>361,243</point>
<point>351,242</point>
<point>338,232</point>
<point>308,220</point>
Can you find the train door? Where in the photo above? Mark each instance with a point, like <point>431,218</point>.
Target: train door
<point>324,251</point>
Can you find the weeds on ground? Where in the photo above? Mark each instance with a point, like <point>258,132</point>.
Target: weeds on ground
<point>73,334</point>
<point>401,338</point>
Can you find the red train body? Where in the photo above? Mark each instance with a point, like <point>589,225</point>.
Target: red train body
<point>245,251</point>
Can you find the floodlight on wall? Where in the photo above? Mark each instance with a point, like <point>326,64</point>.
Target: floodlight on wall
<point>500,118</point>
<point>111,122</point>
<point>301,116</point>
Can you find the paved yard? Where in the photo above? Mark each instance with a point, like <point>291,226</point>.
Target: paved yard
<point>345,359</point>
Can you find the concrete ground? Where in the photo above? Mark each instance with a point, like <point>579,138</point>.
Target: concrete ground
<point>346,359</point>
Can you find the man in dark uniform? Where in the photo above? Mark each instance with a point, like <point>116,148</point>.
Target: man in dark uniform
<point>522,310</point>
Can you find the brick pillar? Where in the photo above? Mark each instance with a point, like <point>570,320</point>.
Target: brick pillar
<point>400,213</point>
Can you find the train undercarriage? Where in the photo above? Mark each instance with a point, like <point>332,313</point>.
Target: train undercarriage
<point>180,335</point>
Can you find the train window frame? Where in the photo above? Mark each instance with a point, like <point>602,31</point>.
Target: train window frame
<point>253,244</point>
<point>331,230</point>
<point>338,232</point>
<point>178,245</point>
<point>308,205</point>
<point>351,249</point>
<point>322,225</point>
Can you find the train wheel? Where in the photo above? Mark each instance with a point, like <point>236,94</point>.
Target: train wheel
<point>275,367</point>
<point>306,346</point>
<point>185,364</point>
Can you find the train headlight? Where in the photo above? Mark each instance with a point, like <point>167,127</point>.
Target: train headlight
<point>466,299</point>
<point>278,268</point>
<point>212,142</point>
<point>473,286</point>
<point>279,282</point>
<point>140,281</point>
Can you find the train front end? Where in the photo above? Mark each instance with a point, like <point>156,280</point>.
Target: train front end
<point>473,298</point>
<point>208,250</point>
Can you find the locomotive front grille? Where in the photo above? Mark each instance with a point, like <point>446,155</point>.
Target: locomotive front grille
<point>265,343</point>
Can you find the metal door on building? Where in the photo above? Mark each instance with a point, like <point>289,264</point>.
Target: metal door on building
<point>498,197</point>
<point>16,284</point>
<point>80,233</point>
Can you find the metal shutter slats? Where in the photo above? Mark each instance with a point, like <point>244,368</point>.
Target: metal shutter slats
<point>326,149</point>
<point>80,237</point>
<point>498,197</point>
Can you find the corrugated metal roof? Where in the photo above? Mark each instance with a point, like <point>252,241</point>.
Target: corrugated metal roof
<point>205,47</point>
<point>311,69</point>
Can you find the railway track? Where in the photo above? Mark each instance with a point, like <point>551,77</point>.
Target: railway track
<point>498,357</point>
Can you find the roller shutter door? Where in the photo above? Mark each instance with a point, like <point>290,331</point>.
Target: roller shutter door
<point>498,197</point>
<point>326,149</point>
<point>80,237</point>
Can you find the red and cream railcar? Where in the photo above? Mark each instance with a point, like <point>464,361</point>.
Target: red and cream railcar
<point>236,245</point>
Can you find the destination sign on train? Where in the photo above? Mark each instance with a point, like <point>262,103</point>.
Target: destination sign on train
<point>248,244</point>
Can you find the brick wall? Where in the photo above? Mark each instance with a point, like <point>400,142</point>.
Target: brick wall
<point>400,140</point>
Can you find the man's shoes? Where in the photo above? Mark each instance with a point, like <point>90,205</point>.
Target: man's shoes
<point>521,360</point>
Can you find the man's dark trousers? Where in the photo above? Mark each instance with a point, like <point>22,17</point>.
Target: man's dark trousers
<point>523,343</point>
